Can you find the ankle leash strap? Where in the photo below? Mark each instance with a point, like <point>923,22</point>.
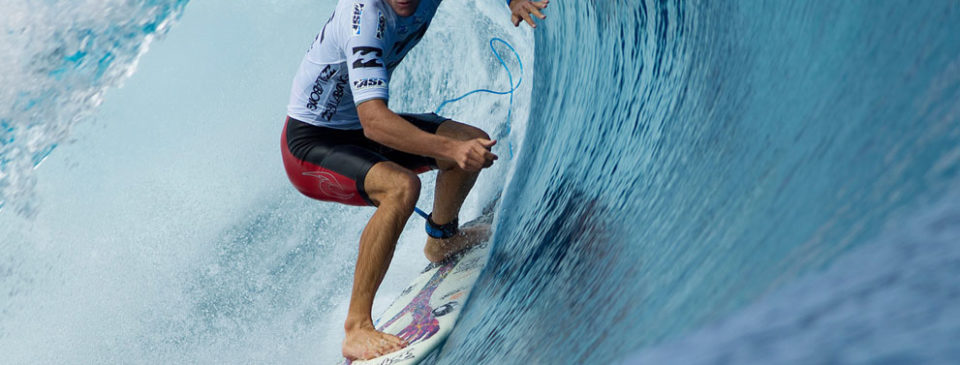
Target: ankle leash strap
<point>442,231</point>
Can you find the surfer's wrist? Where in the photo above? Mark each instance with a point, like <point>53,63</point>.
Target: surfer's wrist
<point>447,148</point>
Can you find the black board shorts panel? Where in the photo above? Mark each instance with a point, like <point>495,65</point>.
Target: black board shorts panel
<point>331,164</point>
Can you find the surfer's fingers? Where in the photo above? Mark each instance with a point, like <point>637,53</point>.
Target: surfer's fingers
<point>515,19</point>
<point>526,17</point>
<point>489,157</point>
<point>535,10</point>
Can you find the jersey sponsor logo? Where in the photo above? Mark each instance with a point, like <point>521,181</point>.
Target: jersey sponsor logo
<point>316,93</point>
<point>327,73</point>
<point>330,108</point>
<point>381,23</point>
<point>371,83</point>
<point>367,57</point>
<point>357,12</point>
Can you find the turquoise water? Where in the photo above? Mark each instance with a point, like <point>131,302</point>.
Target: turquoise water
<point>690,183</point>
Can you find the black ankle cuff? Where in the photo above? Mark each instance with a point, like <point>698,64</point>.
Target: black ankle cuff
<point>442,231</point>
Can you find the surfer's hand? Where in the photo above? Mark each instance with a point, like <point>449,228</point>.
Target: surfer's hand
<point>474,154</point>
<point>522,9</point>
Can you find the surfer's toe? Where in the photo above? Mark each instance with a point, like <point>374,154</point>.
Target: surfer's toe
<point>368,343</point>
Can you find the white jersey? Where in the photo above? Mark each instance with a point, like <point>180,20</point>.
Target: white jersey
<point>351,60</point>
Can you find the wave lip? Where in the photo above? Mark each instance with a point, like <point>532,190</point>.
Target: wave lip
<point>59,59</point>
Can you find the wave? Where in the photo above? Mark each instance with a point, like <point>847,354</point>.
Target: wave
<point>685,158</point>
<point>892,300</point>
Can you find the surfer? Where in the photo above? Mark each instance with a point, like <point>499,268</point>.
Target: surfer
<point>341,143</point>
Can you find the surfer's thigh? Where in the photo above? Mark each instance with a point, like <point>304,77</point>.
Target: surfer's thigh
<point>333,165</point>
<point>328,164</point>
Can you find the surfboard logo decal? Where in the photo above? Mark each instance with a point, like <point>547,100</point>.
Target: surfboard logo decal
<point>444,309</point>
<point>424,324</point>
<point>406,355</point>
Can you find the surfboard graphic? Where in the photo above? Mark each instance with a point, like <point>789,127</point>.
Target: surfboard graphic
<point>426,311</point>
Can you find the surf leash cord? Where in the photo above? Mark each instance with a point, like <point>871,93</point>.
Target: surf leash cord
<point>506,130</point>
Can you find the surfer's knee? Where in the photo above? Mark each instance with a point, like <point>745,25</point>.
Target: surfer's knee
<point>404,191</point>
<point>390,185</point>
<point>473,132</point>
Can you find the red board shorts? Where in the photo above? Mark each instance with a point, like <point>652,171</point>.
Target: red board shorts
<point>330,164</point>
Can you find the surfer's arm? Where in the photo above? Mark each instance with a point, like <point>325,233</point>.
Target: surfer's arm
<point>521,10</point>
<point>386,127</point>
<point>382,125</point>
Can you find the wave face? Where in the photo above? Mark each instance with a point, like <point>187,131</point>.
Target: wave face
<point>892,301</point>
<point>685,158</point>
<point>58,59</point>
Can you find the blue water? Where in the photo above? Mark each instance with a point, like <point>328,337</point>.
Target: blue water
<point>691,183</point>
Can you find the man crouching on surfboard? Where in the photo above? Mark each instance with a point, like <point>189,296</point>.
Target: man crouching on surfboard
<point>341,143</point>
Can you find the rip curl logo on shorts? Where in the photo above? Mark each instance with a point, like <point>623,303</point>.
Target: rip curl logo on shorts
<point>329,186</point>
<point>357,13</point>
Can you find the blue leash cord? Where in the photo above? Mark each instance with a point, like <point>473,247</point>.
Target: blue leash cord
<point>513,88</point>
<point>509,75</point>
<point>421,213</point>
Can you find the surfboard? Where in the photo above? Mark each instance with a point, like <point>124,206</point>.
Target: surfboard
<point>426,311</point>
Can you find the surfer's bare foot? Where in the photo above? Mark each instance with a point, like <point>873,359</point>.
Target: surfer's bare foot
<point>365,342</point>
<point>438,250</point>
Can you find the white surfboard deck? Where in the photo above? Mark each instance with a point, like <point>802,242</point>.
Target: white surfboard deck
<point>425,312</point>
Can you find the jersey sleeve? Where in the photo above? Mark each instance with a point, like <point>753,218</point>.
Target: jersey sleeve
<point>365,52</point>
